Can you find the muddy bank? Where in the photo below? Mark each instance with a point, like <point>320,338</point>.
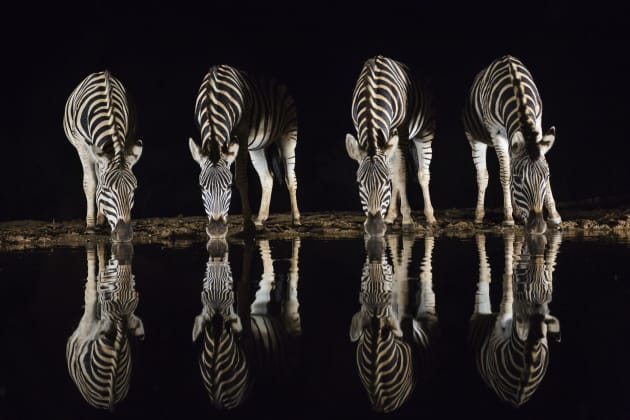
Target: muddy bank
<point>183,231</point>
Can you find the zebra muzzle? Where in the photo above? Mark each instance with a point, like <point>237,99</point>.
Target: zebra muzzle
<point>375,225</point>
<point>122,231</point>
<point>217,228</point>
<point>536,223</point>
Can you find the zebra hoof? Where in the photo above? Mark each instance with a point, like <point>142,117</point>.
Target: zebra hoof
<point>90,231</point>
<point>409,227</point>
<point>296,222</point>
<point>554,224</point>
<point>508,223</point>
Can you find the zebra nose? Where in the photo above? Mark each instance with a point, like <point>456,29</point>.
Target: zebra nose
<point>375,225</point>
<point>536,223</point>
<point>217,228</point>
<point>122,232</point>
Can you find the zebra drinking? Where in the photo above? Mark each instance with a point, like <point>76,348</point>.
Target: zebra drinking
<point>100,124</point>
<point>504,111</point>
<point>235,353</point>
<point>98,352</point>
<point>510,347</point>
<point>394,347</point>
<point>394,120</point>
<point>233,111</point>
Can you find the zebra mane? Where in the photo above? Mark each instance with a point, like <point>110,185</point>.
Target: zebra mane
<point>527,125</point>
<point>117,142</point>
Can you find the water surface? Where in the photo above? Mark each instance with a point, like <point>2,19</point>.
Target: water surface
<point>308,328</point>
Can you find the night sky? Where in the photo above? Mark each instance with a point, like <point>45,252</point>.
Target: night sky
<point>161,53</point>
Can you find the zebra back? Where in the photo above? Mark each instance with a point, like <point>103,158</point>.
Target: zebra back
<point>98,112</point>
<point>98,352</point>
<point>504,96</point>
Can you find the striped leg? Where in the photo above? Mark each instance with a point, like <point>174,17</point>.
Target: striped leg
<point>89,188</point>
<point>479,159</point>
<point>399,190</point>
<point>241,183</point>
<point>266,183</point>
<point>482,297</point>
<point>292,305</point>
<point>553,216</point>
<point>503,153</point>
<point>425,153</point>
<point>287,148</point>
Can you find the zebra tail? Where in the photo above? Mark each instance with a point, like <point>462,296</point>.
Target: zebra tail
<point>274,161</point>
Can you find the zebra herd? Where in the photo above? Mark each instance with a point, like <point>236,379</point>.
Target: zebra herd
<point>240,117</point>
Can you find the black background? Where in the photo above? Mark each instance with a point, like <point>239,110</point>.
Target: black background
<point>161,52</point>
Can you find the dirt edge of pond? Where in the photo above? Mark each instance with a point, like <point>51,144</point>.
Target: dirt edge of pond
<point>183,231</point>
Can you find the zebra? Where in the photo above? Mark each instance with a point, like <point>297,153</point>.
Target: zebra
<point>98,353</point>
<point>388,110</point>
<point>234,353</point>
<point>393,347</point>
<point>100,124</point>
<point>510,347</point>
<point>233,111</point>
<point>504,110</point>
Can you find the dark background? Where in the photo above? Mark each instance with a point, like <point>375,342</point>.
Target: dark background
<point>161,52</point>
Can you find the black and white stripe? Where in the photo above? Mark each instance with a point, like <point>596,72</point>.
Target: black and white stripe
<point>388,110</point>
<point>233,111</point>
<point>504,111</point>
<point>98,352</point>
<point>510,346</point>
<point>100,124</point>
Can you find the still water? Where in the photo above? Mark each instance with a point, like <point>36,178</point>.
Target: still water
<point>493,326</point>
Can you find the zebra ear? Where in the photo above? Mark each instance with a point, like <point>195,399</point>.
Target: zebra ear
<point>136,152</point>
<point>547,141</point>
<point>195,151</point>
<point>553,328</point>
<point>136,327</point>
<point>352,147</point>
<point>232,152</point>
<point>359,321</point>
<point>198,326</point>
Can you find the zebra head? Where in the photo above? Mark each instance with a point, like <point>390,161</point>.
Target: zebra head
<point>530,180</point>
<point>374,181</point>
<point>215,181</point>
<point>115,189</point>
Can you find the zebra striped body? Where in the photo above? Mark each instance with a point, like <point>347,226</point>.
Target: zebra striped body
<point>234,354</point>
<point>510,347</point>
<point>504,111</point>
<point>97,352</point>
<point>390,113</point>
<point>389,360</point>
<point>100,125</point>
<point>234,111</point>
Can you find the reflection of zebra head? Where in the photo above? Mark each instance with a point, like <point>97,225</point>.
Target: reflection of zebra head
<point>115,190</point>
<point>511,349</point>
<point>530,182</point>
<point>384,360</point>
<point>374,182</point>
<point>97,352</point>
<point>222,361</point>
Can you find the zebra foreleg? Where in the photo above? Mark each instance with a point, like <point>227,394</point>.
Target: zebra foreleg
<point>479,159</point>
<point>241,183</point>
<point>89,188</point>
<point>425,153</point>
<point>553,218</point>
<point>266,182</point>
<point>503,154</point>
<point>287,148</point>
<point>399,177</point>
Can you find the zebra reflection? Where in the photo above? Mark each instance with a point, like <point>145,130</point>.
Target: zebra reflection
<point>394,346</point>
<point>510,347</point>
<point>97,352</point>
<point>234,352</point>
